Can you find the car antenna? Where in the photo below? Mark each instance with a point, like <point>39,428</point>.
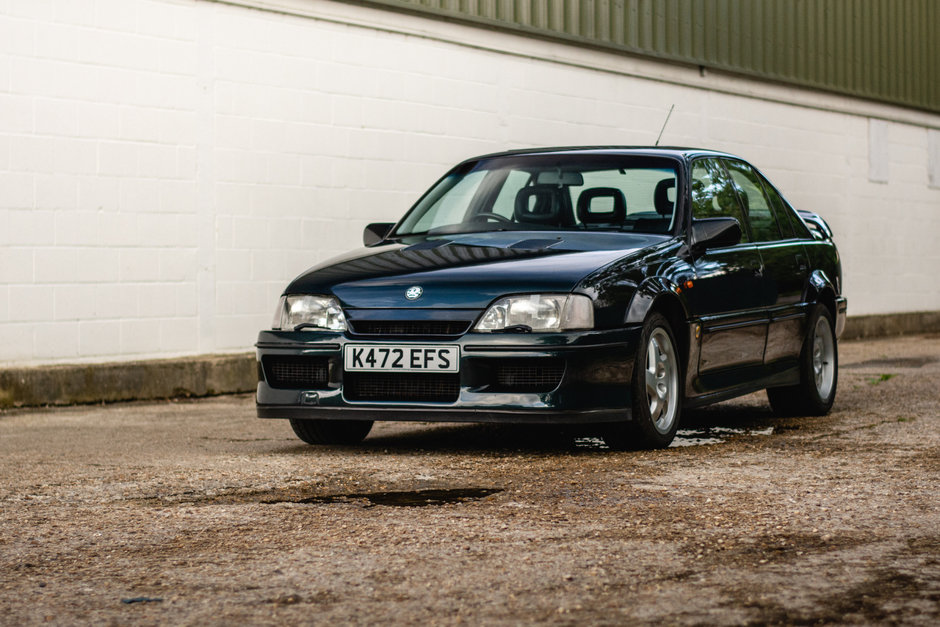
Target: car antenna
<point>664,124</point>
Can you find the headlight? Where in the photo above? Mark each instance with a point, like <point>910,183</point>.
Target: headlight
<point>308,312</point>
<point>539,313</point>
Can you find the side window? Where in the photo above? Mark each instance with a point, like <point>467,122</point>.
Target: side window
<point>760,215</point>
<point>799,227</point>
<point>713,194</point>
<point>780,210</point>
<point>790,223</point>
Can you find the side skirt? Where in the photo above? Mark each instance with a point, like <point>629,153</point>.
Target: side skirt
<point>781,375</point>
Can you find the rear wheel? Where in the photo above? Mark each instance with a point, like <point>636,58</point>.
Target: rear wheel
<point>819,372</point>
<point>331,431</point>
<point>656,391</point>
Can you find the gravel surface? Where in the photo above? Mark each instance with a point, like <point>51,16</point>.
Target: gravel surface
<point>197,512</point>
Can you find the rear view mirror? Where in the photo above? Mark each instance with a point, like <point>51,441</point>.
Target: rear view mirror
<point>557,177</point>
<point>376,232</point>
<point>715,233</point>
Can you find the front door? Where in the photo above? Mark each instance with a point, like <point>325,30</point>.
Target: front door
<point>727,297</point>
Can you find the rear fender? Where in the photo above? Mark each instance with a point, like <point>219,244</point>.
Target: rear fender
<point>820,289</point>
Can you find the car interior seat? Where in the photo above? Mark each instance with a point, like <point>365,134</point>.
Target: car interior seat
<point>610,212</point>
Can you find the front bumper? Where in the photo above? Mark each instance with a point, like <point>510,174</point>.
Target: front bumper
<point>593,385</point>
<point>841,309</point>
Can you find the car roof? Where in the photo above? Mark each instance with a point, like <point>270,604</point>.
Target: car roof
<point>676,152</point>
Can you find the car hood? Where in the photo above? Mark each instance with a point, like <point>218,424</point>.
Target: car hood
<point>467,271</point>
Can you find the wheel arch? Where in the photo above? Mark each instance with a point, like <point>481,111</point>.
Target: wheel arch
<point>820,289</point>
<point>662,297</point>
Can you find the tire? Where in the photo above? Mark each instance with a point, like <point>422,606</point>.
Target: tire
<point>331,431</point>
<point>819,372</point>
<point>656,390</point>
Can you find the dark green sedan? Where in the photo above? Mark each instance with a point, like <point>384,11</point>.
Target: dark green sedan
<point>610,287</point>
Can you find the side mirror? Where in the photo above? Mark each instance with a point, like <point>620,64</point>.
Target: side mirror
<point>715,233</point>
<point>376,232</point>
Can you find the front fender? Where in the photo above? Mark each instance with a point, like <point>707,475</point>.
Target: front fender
<point>648,294</point>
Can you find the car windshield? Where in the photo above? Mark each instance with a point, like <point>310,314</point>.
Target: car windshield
<point>550,192</point>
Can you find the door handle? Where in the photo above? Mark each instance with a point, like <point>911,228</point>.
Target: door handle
<point>801,262</point>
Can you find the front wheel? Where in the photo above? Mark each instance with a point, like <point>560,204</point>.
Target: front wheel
<point>819,372</point>
<point>656,389</point>
<point>331,431</point>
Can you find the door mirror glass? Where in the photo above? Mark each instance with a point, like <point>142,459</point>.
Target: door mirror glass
<point>715,233</point>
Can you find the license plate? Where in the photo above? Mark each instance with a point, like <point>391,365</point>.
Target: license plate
<point>401,358</point>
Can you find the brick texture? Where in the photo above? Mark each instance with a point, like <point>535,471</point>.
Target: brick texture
<point>166,166</point>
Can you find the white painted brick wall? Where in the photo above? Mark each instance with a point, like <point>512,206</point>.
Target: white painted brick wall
<point>166,166</point>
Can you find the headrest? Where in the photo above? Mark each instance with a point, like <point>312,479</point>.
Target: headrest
<point>589,215</point>
<point>664,206</point>
<point>539,204</point>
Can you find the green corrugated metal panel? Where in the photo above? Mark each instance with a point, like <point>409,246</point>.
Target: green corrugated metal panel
<point>886,50</point>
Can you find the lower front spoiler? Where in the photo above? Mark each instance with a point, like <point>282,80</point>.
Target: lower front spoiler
<point>425,414</point>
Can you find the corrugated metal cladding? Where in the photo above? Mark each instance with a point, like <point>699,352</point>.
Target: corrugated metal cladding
<point>886,50</point>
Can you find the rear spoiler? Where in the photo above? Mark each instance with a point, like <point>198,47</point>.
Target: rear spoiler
<point>816,225</point>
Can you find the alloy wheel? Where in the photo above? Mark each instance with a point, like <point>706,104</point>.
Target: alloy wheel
<point>662,380</point>
<point>823,358</point>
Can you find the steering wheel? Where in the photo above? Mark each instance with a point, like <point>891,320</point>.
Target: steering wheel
<point>486,216</point>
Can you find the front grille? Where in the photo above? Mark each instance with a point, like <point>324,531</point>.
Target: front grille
<point>406,387</point>
<point>528,375</point>
<point>409,327</point>
<point>296,373</point>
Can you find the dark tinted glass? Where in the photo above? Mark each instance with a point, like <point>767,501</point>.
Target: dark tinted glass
<point>760,215</point>
<point>713,194</point>
<point>780,209</point>
<point>785,214</point>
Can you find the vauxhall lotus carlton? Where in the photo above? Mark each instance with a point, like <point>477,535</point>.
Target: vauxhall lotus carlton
<point>609,287</point>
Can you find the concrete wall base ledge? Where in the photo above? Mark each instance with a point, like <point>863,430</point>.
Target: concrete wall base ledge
<point>209,375</point>
<point>203,375</point>
<point>885,325</point>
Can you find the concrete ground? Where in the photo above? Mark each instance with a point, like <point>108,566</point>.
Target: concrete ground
<point>196,512</point>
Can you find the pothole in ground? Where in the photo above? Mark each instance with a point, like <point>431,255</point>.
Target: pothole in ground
<point>899,362</point>
<point>714,435</point>
<point>686,437</point>
<point>413,498</point>
<point>408,498</point>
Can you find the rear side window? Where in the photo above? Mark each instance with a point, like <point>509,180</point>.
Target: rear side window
<point>713,194</point>
<point>759,213</point>
<point>786,215</point>
<point>780,210</point>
